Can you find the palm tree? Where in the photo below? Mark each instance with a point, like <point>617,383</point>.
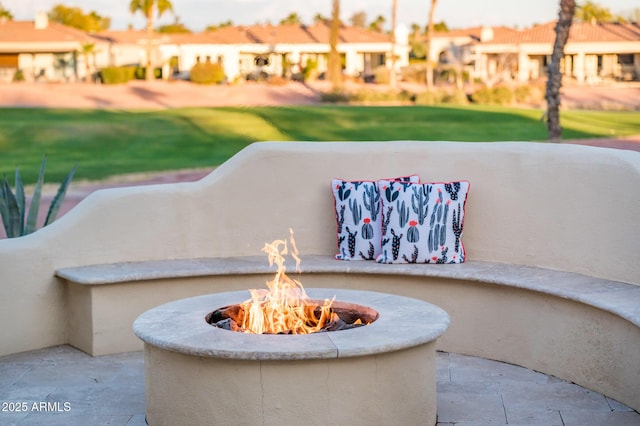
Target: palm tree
<point>392,74</point>
<point>87,49</point>
<point>554,79</point>
<point>147,8</point>
<point>428,46</point>
<point>335,67</point>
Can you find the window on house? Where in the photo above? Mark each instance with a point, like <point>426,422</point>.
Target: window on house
<point>261,61</point>
<point>625,59</point>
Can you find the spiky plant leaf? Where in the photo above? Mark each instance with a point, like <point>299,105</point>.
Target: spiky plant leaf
<point>12,221</point>
<point>35,201</point>
<point>59,198</point>
<point>19,189</point>
<point>4,206</point>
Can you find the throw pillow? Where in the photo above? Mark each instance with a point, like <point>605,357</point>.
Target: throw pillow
<point>357,209</point>
<point>422,222</point>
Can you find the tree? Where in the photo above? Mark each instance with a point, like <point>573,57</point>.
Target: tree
<point>378,24</point>
<point>87,49</point>
<point>430,29</point>
<point>335,67</point>
<point>291,19</point>
<point>319,17</point>
<point>359,19</point>
<point>76,18</point>
<point>175,28</point>
<point>392,73</point>
<point>440,27</point>
<point>633,15</point>
<point>554,79</point>
<point>5,13</point>
<point>223,24</point>
<point>590,11</point>
<point>147,7</point>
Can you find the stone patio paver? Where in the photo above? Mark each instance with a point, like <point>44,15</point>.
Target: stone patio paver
<point>109,390</point>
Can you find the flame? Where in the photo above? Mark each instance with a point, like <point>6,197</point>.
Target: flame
<point>285,306</point>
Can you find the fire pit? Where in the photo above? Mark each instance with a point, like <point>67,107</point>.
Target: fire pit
<point>273,359</point>
<point>383,373</point>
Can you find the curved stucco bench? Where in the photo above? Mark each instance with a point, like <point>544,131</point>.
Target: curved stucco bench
<point>551,235</point>
<point>580,328</point>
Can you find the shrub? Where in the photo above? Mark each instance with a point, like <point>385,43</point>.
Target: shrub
<point>529,94</point>
<point>18,75</point>
<point>140,73</point>
<point>428,98</point>
<point>459,97</point>
<point>335,97</point>
<point>15,219</point>
<point>310,68</point>
<point>116,75</point>
<point>500,95</point>
<point>207,73</point>
<point>482,96</point>
<point>382,75</point>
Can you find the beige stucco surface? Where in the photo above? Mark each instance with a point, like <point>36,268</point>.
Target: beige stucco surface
<point>560,207</point>
<point>379,389</point>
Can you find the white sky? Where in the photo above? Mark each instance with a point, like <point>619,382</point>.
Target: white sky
<point>197,14</point>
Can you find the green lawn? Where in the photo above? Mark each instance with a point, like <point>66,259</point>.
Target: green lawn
<point>105,143</point>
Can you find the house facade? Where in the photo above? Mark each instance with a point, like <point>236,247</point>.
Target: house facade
<point>41,50</point>
<point>47,51</point>
<point>44,50</point>
<point>594,52</point>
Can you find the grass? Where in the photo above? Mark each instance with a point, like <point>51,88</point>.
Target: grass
<point>111,142</point>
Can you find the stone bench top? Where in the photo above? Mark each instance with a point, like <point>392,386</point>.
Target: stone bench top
<point>619,298</point>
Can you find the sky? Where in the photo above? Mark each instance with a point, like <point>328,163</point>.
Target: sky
<point>198,14</point>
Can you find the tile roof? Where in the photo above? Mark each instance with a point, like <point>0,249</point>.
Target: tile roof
<point>25,32</point>
<point>320,32</point>
<point>288,34</point>
<point>474,32</point>
<point>261,34</point>
<point>122,36</point>
<point>581,32</point>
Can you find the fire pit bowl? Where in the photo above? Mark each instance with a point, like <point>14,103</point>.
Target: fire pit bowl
<point>381,373</point>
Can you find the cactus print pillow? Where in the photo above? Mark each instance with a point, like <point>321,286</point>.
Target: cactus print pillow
<point>358,218</point>
<point>422,222</point>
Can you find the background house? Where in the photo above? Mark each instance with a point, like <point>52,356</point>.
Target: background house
<point>593,53</point>
<point>282,50</point>
<point>42,50</point>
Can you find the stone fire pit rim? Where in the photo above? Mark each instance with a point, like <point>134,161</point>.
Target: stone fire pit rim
<point>403,323</point>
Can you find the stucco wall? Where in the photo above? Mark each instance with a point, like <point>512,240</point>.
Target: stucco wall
<point>561,207</point>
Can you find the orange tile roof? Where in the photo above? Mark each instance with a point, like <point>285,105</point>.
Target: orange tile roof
<point>270,34</point>
<point>25,32</point>
<point>474,32</point>
<point>581,32</point>
<point>225,35</point>
<point>320,32</point>
<point>122,36</point>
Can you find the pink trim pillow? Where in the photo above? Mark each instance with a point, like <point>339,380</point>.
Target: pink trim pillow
<point>357,209</point>
<point>422,222</point>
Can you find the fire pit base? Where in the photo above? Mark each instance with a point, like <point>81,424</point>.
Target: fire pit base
<point>383,373</point>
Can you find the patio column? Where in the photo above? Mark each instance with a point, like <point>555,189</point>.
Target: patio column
<point>352,67</point>
<point>523,66</point>
<point>578,68</point>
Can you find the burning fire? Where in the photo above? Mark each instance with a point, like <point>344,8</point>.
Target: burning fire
<point>285,306</point>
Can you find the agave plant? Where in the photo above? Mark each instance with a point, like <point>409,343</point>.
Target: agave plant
<point>15,219</point>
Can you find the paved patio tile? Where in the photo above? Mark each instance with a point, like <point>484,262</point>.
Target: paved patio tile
<point>597,418</point>
<point>109,390</point>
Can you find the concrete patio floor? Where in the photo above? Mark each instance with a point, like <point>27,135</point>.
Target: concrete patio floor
<point>64,386</point>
